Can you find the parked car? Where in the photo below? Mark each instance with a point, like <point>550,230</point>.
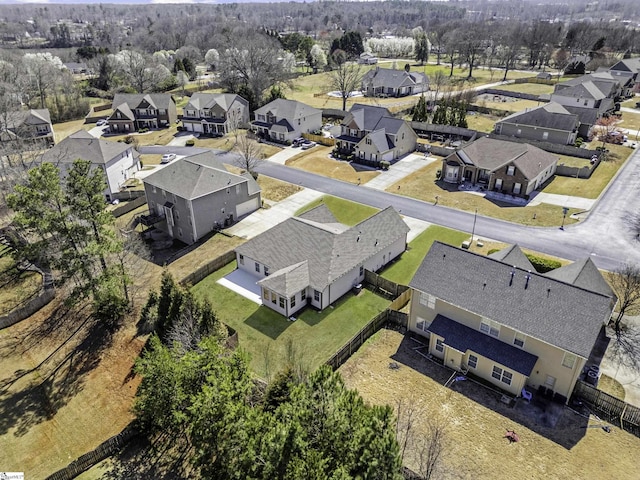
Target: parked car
<point>102,122</point>
<point>308,144</point>
<point>297,142</point>
<point>167,157</point>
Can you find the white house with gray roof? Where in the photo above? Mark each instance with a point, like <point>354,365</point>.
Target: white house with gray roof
<point>501,321</point>
<point>215,113</point>
<point>388,82</point>
<point>315,260</point>
<point>285,120</point>
<point>119,161</point>
<point>195,195</point>
<point>550,122</point>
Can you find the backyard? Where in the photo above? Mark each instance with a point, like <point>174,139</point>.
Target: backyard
<point>475,422</point>
<point>16,286</point>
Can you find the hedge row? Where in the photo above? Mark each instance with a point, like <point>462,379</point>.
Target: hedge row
<point>542,265</point>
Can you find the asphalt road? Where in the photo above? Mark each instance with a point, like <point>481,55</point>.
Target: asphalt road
<point>607,235</point>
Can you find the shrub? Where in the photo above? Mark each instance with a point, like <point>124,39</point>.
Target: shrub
<point>543,265</point>
<point>128,139</point>
<point>579,142</point>
<point>438,174</point>
<point>190,143</point>
<point>385,165</point>
<point>493,250</point>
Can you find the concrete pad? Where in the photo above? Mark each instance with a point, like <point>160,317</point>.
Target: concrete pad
<point>562,200</point>
<point>416,226</point>
<point>402,168</point>
<point>180,140</point>
<point>263,219</point>
<point>285,154</point>
<point>242,283</point>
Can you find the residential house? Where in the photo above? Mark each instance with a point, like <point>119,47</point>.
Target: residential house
<point>373,134</point>
<point>386,82</point>
<point>550,122</point>
<point>497,165</point>
<point>315,260</point>
<point>367,58</point>
<point>31,126</point>
<point>195,195</point>
<point>215,114</point>
<point>133,111</point>
<point>285,120</point>
<point>77,68</point>
<point>499,320</point>
<point>584,95</point>
<point>118,161</point>
<point>628,71</point>
<point>605,82</point>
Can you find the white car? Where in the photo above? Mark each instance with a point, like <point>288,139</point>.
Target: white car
<point>307,145</point>
<point>102,122</point>
<point>167,157</point>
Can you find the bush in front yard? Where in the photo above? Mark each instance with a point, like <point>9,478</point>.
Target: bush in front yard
<point>385,165</point>
<point>190,143</point>
<point>543,265</point>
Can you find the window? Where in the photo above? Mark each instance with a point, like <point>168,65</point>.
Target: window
<point>368,141</point>
<point>490,327</point>
<point>265,294</point>
<point>545,135</point>
<point>281,301</point>
<point>257,267</point>
<point>241,259</point>
<point>427,300</point>
<point>273,298</point>
<point>550,382</point>
<point>439,345</point>
<point>473,361</point>
<point>518,340</point>
<point>266,271</point>
<point>179,231</point>
<point>569,360</point>
<point>292,301</point>
<point>303,295</point>
<point>421,324</point>
<point>502,375</point>
<point>511,170</point>
<point>316,295</point>
<point>361,270</point>
<point>517,187</point>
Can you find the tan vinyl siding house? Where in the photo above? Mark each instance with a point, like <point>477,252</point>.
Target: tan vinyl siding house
<point>215,113</point>
<point>499,320</point>
<point>285,120</point>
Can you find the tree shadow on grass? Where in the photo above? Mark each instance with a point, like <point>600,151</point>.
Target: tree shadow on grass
<point>268,322</point>
<point>31,396</point>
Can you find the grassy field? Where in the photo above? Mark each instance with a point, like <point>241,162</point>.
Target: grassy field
<point>63,130</point>
<point>402,270</point>
<point>345,211</point>
<point>317,160</point>
<point>423,186</point>
<point>532,88</point>
<point>16,286</point>
<point>153,137</point>
<point>509,104</point>
<point>631,103</point>
<point>269,337</point>
<point>475,422</point>
<point>482,122</point>
<point>600,178</point>
<point>630,121</point>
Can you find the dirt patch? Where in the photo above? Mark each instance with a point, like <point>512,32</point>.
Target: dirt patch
<point>318,161</point>
<point>476,421</point>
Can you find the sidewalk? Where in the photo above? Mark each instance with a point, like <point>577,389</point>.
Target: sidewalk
<point>402,168</point>
<point>563,201</point>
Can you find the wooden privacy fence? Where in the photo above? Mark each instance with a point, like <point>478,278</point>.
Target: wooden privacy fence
<point>402,300</point>
<point>380,284</point>
<point>89,459</point>
<point>207,269</point>
<point>612,409</point>
<point>326,141</point>
<point>129,206</point>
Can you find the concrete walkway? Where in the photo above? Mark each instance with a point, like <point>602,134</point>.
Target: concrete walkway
<point>563,201</point>
<point>263,219</point>
<point>402,168</point>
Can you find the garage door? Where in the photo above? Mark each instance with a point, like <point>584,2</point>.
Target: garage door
<point>197,127</point>
<point>247,207</point>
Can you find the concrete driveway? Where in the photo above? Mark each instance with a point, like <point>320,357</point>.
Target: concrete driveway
<point>98,131</point>
<point>402,168</point>
<point>285,154</point>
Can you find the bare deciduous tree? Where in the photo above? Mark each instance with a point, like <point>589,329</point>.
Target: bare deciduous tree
<point>431,448</point>
<point>250,154</point>
<point>625,282</point>
<point>346,78</point>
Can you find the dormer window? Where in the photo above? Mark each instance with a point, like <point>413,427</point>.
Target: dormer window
<point>511,170</point>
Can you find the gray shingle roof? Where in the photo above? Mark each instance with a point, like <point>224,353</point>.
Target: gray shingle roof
<point>18,118</point>
<point>513,256</point>
<point>331,250</point>
<point>586,90</point>
<point>584,274</point>
<point>550,310</point>
<point>289,280</point>
<point>390,78</point>
<point>462,338</point>
<point>491,154</point>
<point>588,116</point>
<point>83,145</point>
<point>551,115</point>
<point>289,109</point>
<point>320,214</point>
<point>201,101</point>
<point>366,117</point>
<point>380,140</point>
<point>192,177</point>
<point>158,100</point>
<point>125,110</point>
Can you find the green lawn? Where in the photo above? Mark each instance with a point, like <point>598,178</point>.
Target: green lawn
<point>532,88</point>
<point>402,270</point>
<point>269,337</point>
<point>482,122</point>
<point>346,212</point>
<point>630,121</point>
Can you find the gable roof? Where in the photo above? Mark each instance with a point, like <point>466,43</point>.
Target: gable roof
<point>320,214</point>
<point>513,255</point>
<point>331,249</point>
<point>587,116</point>
<point>288,280</point>
<point>555,312</point>
<point>631,65</point>
<point>156,100</point>
<point>550,115</point>
<point>584,274</point>
<point>491,154</point>
<point>18,118</point>
<point>124,109</point>
<point>366,117</point>
<point>83,145</point>
<point>287,109</point>
<point>586,90</point>
<point>201,101</point>
<point>194,177</point>
<point>392,78</point>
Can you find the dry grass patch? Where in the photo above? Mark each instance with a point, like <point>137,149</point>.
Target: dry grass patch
<point>276,190</point>
<point>318,160</point>
<point>476,421</point>
<point>63,130</point>
<point>423,186</point>
<point>611,386</point>
<point>160,136</point>
<point>531,88</point>
<point>16,286</point>
<point>150,159</point>
<point>482,122</point>
<point>509,105</point>
<point>630,121</point>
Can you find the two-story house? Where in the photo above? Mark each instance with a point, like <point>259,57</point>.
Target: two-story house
<point>372,133</point>
<point>195,195</point>
<point>119,161</point>
<point>133,111</point>
<point>499,320</point>
<point>550,122</point>
<point>285,120</point>
<point>388,82</point>
<point>32,128</point>
<point>628,71</point>
<point>314,260</point>
<point>497,165</point>
<point>215,113</point>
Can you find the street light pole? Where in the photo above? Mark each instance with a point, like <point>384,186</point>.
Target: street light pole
<point>564,215</point>
<point>473,231</point>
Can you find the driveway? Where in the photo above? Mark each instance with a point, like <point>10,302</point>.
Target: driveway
<point>400,169</point>
<point>98,131</point>
<point>285,154</point>
<point>180,139</point>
